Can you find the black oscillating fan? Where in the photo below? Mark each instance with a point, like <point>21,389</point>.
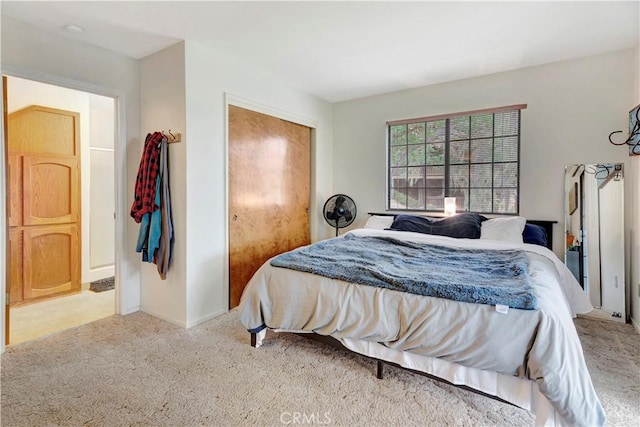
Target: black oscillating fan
<point>339,211</point>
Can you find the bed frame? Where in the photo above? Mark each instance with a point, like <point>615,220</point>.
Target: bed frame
<point>329,340</point>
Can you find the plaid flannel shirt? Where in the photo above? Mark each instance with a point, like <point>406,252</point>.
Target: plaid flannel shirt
<point>145,191</point>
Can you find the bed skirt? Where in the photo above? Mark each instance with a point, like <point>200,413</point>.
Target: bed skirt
<point>520,392</point>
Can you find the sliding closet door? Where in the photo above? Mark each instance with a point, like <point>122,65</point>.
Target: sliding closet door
<point>269,192</point>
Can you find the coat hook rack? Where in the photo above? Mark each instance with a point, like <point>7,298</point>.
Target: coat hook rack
<point>633,140</point>
<point>172,136</point>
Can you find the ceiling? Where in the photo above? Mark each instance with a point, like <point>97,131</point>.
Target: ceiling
<point>341,50</point>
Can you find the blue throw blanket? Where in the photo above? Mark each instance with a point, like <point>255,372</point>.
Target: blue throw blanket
<point>480,276</point>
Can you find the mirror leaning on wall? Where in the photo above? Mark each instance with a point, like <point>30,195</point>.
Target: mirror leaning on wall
<point>594,230</point>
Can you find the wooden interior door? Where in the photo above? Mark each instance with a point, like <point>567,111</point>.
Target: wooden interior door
<point>15,190</point>
<point>44,207</point>
<point>49,190</point>
<point>15,284</point>
<point>50,263</point>
<point>269,192</point>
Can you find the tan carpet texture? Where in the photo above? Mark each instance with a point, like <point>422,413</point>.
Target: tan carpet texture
<point>139,370</point>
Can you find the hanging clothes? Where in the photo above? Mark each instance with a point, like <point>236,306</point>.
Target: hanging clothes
<point>145,190</point>
<point>156,236</point>
<point>149,235</point>
<point>165,245</point>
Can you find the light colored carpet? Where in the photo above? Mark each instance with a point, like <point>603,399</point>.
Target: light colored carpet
<point>139,370</point>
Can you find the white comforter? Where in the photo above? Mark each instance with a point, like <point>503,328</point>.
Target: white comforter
<point>541,345</point>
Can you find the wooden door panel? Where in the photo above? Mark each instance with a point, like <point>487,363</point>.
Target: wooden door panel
<point>15,266</point>
<point>39,130</point>
<point>269,192</point>
<point>44,165</point>
<point>50,194</point>
<point>15,190</point>
<point>50,261</point>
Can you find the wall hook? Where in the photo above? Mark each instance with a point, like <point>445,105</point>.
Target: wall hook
<point>171,137</point>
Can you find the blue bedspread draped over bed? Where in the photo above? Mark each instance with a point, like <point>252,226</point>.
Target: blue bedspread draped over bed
<point>468,275</point>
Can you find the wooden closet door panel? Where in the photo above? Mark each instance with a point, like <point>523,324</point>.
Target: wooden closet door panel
<point>50,190</point>
<point>15,265</point>
<point>15,190</point>
<point>50,263</point>
<point>269,192</point>
<point>44,149</point>
<point>38,129</point>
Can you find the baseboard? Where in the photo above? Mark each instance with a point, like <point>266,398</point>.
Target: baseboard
<point>635,324</point>
<point>99,273</point>
<point>163,317</point>
<point>183,324</point>
<point>205,318</point>
<point>130,310</point>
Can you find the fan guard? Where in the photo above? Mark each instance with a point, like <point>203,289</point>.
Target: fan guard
<point>339,211</point>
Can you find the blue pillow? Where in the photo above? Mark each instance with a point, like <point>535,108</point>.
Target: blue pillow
<point>534,234</point>
<point>461,226</point>
<point>416,224</point>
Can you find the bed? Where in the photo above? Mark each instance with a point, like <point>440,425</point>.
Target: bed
<point>516,343</point>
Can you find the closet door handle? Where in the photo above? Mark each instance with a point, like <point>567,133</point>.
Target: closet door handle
<point>234,217</point>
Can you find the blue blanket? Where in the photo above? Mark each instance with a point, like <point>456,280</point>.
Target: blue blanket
<point>480,276</point>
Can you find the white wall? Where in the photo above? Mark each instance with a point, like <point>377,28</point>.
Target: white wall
<point>27,52</point>
<point>22,93</point>
<point>196,287</point>
<point>162,107</point>
<point>211,80</point>
<point>572,108</point>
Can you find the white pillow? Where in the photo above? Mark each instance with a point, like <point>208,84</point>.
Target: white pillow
<point>504,229</point>
<point>379,222</point>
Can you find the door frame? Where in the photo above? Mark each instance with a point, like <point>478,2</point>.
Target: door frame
<point>121,298</point>
<point>238,101</point>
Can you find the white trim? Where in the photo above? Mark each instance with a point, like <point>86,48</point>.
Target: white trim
<point>111,150</point>
<point>163,316</point>
<point>225,257</point>
<point>3,233</point>
<point>99,273</point>
<point>238,101</point>
<point>206,318</point>
<point>635,324</point>
<point>120,171</point>
<point>61,81</point>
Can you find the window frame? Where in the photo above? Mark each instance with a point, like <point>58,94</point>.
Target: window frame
<point>448,163</point>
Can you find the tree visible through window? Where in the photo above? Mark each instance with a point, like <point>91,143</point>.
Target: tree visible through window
<point>474,157</point>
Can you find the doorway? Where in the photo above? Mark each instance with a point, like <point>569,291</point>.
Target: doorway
<point>97,201</point>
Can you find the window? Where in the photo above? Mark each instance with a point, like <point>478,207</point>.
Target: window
<point>472,156</point>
